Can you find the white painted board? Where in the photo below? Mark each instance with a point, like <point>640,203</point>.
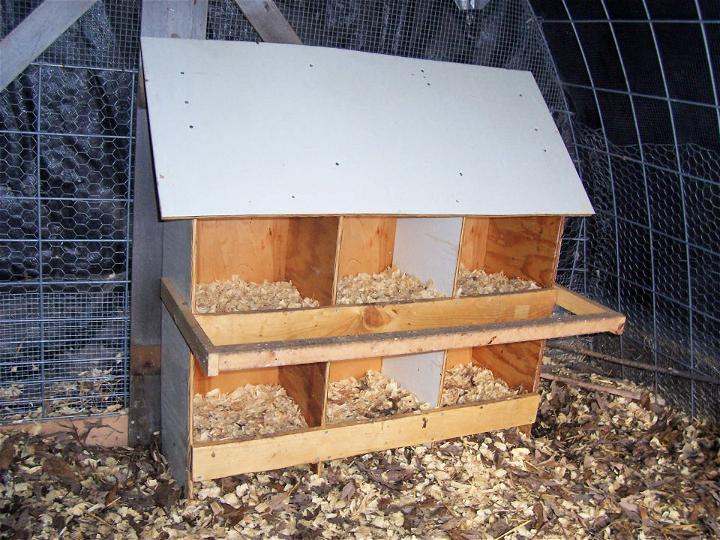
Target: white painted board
<point>240,128</point>
<point>428,249</point>
<point>419,373</point>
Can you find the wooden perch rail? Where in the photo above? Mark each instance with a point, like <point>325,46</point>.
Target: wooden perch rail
<point>252,340</point>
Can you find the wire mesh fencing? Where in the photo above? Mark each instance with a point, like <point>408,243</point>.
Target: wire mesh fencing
<point>641,79</point>
<point>633,88</point>
<point>66,142</point>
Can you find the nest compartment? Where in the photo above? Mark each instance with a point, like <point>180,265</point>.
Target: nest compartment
<point>479,282</point>
<point>390,285</point>
<point>468,383</point>
<point>236,295</point>
<point>245,413</point>
<point>372,396</point>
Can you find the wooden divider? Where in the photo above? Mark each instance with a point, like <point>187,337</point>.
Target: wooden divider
<point>365,245</point>
<point>520,247</point>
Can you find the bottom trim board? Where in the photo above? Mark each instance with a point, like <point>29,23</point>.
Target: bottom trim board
<point>106,430</point>
<point>218,460</point>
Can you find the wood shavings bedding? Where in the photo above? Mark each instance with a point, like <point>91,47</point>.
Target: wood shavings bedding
<point>479,282</point>
<point>236,295</point>
<point>391,285</point>
<point>597,466</point>
<point>372,396</point>
<point>247,412</point>
<point>469,384</point>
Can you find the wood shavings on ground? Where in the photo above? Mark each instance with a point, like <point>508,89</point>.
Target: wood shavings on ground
<point>249,411</point>
<point>478,283</point>
<point>391,285</point>
<point>372,396</point>
<point>468,383</point>
<point>236,295</point>
<point>598,466</point>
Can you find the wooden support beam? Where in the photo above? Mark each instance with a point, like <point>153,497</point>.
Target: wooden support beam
<point>107,430</point>
<point>159,18</point>
<point>37,32</point>
<point>268,21</point>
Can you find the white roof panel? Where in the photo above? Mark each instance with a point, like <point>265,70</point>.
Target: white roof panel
<point>240,128</point>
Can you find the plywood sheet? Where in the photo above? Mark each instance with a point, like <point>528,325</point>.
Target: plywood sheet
<point>240,128</point>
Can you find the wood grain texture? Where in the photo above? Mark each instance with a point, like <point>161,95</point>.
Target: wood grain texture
<point>345,440</point>
<point>373,319</point>
<point>228,381</point>
<point>518,364</point>
<point>366,245</point>
<point>305,384</point>
<point>253,249</point>
<point>524,247</point>
<point>473,244</point>
<point>310,257</point>
<point>353,368</point>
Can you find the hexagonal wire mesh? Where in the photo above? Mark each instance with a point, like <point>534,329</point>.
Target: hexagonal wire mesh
<point>642,81</point>
<point>66,136</point>
<point>644,140</point>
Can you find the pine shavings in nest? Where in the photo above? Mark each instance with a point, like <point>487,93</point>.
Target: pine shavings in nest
<point>372,396</point>
<point>469,384</point>
<point>236,295</point>
<point>247,412</point>
<point>390,285</point>
<point>479,282</point>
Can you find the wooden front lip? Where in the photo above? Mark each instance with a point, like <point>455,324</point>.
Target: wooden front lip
<point>219,459</point>
<point>586,317</point>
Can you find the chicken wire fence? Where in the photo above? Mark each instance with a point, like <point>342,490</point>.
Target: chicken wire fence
<point>647,155</point>
<point>66,136</point>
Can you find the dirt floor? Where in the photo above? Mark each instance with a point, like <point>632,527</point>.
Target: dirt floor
<point>597,466</point>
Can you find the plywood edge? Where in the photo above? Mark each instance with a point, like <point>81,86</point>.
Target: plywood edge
<point>345,440</point>
<point>193,334</point>
<point>109,430</point>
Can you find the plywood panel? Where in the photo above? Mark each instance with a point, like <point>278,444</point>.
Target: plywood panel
<point>419,373</point>
<point>306,385</point>
<point>325,131</point>
<point>228,381</point>
<point>254,249</point>
<point>237,328</point>
<point>366,245</point>
<point>311,249</point>
<point>474,243</point>
<point>518,364</point>
<point>353,368</point>
<point>345,440</point>
<point>524,247</point>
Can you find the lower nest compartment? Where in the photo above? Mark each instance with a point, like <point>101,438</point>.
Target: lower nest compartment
<point>372,396</point>
<point>254,403</point>
<point>467,383</point>
<point>248,412</point>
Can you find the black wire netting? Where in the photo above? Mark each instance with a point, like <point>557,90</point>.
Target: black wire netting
<point>632,85</point>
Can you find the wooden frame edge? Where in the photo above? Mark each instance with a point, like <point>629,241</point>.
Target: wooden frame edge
<point>195,337</point>
<point>217,460</point>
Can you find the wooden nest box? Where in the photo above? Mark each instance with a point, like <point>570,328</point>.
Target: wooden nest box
<point>307,164</point>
